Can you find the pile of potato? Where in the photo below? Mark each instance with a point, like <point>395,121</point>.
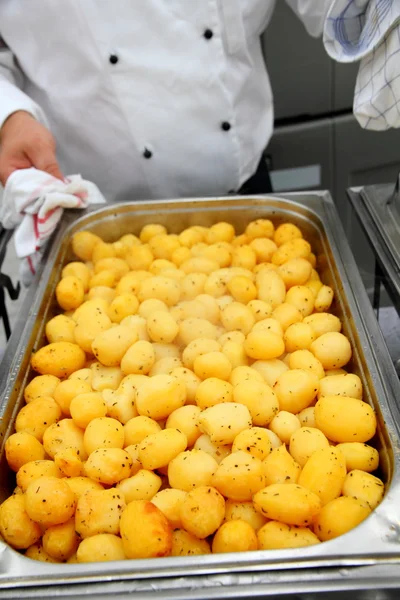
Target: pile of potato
<point>191,399</point>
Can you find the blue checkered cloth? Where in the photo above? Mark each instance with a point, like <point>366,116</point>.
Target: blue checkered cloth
<point>369,31</point>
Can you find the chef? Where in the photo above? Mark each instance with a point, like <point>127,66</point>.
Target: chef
<point>149,99</point>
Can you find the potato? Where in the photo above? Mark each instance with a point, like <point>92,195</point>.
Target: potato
<point>280,467</point>
<point>296,390</point>
<point>165,366</point>
<point>192,285</point>
<point>108,465</point>
<point>163,288</point>
<point>274,535</point>
<point>220,232</point>
<point>103,432</point>
<point>235,354</point>
<point>99,511</point>
<point>339,516</point>
<point>323,323</point>
<point>105,377</point>
<point>191,469</point>
<point>33,470</point>
<point>213,391</point>
<point>284,424</point>
<point>88,327</point>
<point>80,485</point>
<point>332,349</point>
<point>60,329</point>
<point>16,526</point>
<point>264,345</point>
<point>138,428</point>
<point>145,531</point>
<point>169,501</point>
<point>218,452</point>
<point>235,536</point>
<point>302,298</point>
<point>324,474</point>
<point>147,307</point>
<point>242,289</point>
<point>359,456</point>
<point>158,397</point>
<point>270,369</point>
<point>141,486</point>
<point>202,511</point>
<point>260,228</point>
<point>103,292</point>
<point>22,448</point>
<point>260,400</point>
<point>295,271</point>
<point>86,407</point>
<point>36,552</point>
<point>239,476</point>
<point>138,358</point>
<point>271,288</point>
<point>294,248</point>
<point>186,544</point>
<point>105,278</point>
<point>243,511</point>
<point>271,324</point>
<point>83,243</point>
<point>345,419</point>
<point>304,359</point>
<point>260,309</point>
<point>70,292</point>
<point>67,390</point>
<point>41,385</point>
<point>305,441</point>
<point>63,435</point>
<point>287,314</point>
<point>365,487</point>
<point>157,450</point>
<point>59,359</point>
<point>122,306</point>
<point>341,385</point>
<point>162,327</point>
<point>61,541</point>
<point>224,421</point>
<point>149,231</point>
<point>49,501</point>
<point>298,336</point>
<point>37,416</point>
<point>110,346</point>
<point>117,265</point>
<point>185,419</point>
<point>286,232</point>
<point>244,373</point>
<point>307,417</point>
<point>198,347</point>
<point>100,548</point>
<point>138,258</point>
<point>255,441</point>
<point>288,503</point>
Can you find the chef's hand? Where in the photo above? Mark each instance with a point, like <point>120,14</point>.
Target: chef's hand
<point>25,143</point>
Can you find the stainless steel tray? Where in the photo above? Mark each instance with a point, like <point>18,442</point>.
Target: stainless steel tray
<point>375,543</point>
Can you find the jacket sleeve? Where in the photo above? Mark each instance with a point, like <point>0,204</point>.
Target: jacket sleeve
<point>312,13</point>
<point>12,81</point>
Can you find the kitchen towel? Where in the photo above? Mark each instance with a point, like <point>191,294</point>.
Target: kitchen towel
<point>369,31</point>
<point>33,203</point>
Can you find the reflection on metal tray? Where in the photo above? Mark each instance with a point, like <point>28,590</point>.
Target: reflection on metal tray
<point>375,542</point>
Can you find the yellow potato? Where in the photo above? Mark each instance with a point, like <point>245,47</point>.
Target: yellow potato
<point>103,279</point>
<point>67,390</point>
<point>284,424</point>
<point>332,349</point>
<point>237,317</point>
<point>280,467</point>
<point>149,231</point>
<point>323,299</point>
<point>324,474</point>
<point>162,327</point>
<point>145,531</point>
<point>165,366</point>
<point>339,516</point>
<point>169,501</point>
<point>130,283</point>
<point>198,347</point>
<point>191,469</point>
<point>294,248</point>
<point>163,288</point>
<point>235,353</point>
<point>100,548</point>
<point>235,536</point>
<point>186,544</point>
<point>264,345</point>
<point>288,503</point>
<point>255,441</point>
<point>302,298</point>
<point>158,397</point>
<point>83,243</point>
<point>16,526</point>
<point>117,265</point>
<point>274,439</point>
<point>359,456</point>
<point>99,511</point>
<point>271,324</point>
<point>37,416</point>
<point>59,359</point>
<point>49,501</point>
<point>193,328</point>
<point>185,419</point>
<point>323,323</point>
<point>218,452</point>
<point>60,329</point>
<point>271,288</point>
<point>86,407</point>
<point>365,487</point>
<point>63,435</point>
<point>239,476</point>
<point>33,470</point>
<point>295,271</point>
<point>202,511</point>
<point>79,485</point>
<point>105,377</point>
<point>141,486</point>
<point>260,309</point>
<point>304,442</point>
<point>199,264</point>
<point>212,364</point>
<point>345,419</point>
<point>122,306</point>
<point>139,258</point>
<point>260,400</point>
<point>304,359</point>
<point>22,448</point>
<point>296,390</point>
<point>220,232</point>
<point>286,314</point>
<point>61,541</point>
<point>157,450</point>
<point>69,463</point>
<point>244,511</point>
<point>108,465</point>
<point>89,327</point>
<point>138,359</point>
<point>213,391</point>
<point>110,346</point>
<point>298,336</point>
<point>103,432</point>
<point>244,373</point>
<point>286,232</point>
<point>260,228</point>
<point>242,289</point>
<point>147,307</point>
<point>36,552</point>
<point>192,285</point>
<point>70,292</point>
<point>274,535</point>
<point>341,385</point>
<point>270,370</point>
<point>41,385</point>
<point>138,428</point>
<point>224,421</point>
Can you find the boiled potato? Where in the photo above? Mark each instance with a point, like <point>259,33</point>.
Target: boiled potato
<point>196,348</point>
<point>145,531</point>
<point>162,327</point>
<point>294,248</point>
<point>138,359</point>
<point>169,501</point>
<point>122,306</point>
<point>260,309</point>
<point>224,421</point>
<point>109,347</point>
<point>271,288</point>
<point>298,336</point>
<point>22,448</point>
<point>138,428</point>
<point>234,536</point>
<point>244,511</point>
<point>70,292</point>
<point>288,503</point>
<point>163,288</point>
<point>191,469</point>
<point>37,416</point>
<point>365,487</point>
<point>270,369</point>
<point>36,552</point>
<point>275,535</point>
<point>86,407</point>
<point>239,476</point>
<point>80,485</point>
<point>62,436</point>
<point>264,345</point>
<point>49,501</point>
<point>323,299</point>
<point>41,385</point>
<point>186,544</point>
<point>255,441</point>
<point>83,243</point>
<point>217,451</point>
<point>304,359</point>
<point>59,359</point>
<point>304,442</point>
<point>108,465</point>
<point>99,511</point>
<point>100,548</point>
<point>359,456</point>
<point>16,526</point>
<point>296,390</point>
<point>324,474</point>
<point>345,419</point>
<point>33,470</point>
<point>60,329</point>
<point>302,298</point>
<point>212,364</point>
<point>105,377</point>
<point>285,233</point>
<point>284,424</point>
<point>259,398</point>
<point>202,511</point>
<point>295,271</point>
<point>341,385</point>
<point>103,432</point>
<point>157,450</point>
<point>158,397</point>
<point>307,417</point>
<point>280,467</point>
<point>339,516</point>
<point>244,373</point>
<point>69,463</point>
<point>141,486</point>
<point>332,349</point>
<point>185,420</point>
<point>61,541</point>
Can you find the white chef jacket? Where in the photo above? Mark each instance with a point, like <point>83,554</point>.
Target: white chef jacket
<point>147,98</point>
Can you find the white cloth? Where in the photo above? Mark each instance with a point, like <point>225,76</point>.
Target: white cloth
<point>369,31</point>
<point>33,203</point>
<point>168,94</point>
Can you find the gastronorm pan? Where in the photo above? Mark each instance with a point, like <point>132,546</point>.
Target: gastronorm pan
<point>351,561</point>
